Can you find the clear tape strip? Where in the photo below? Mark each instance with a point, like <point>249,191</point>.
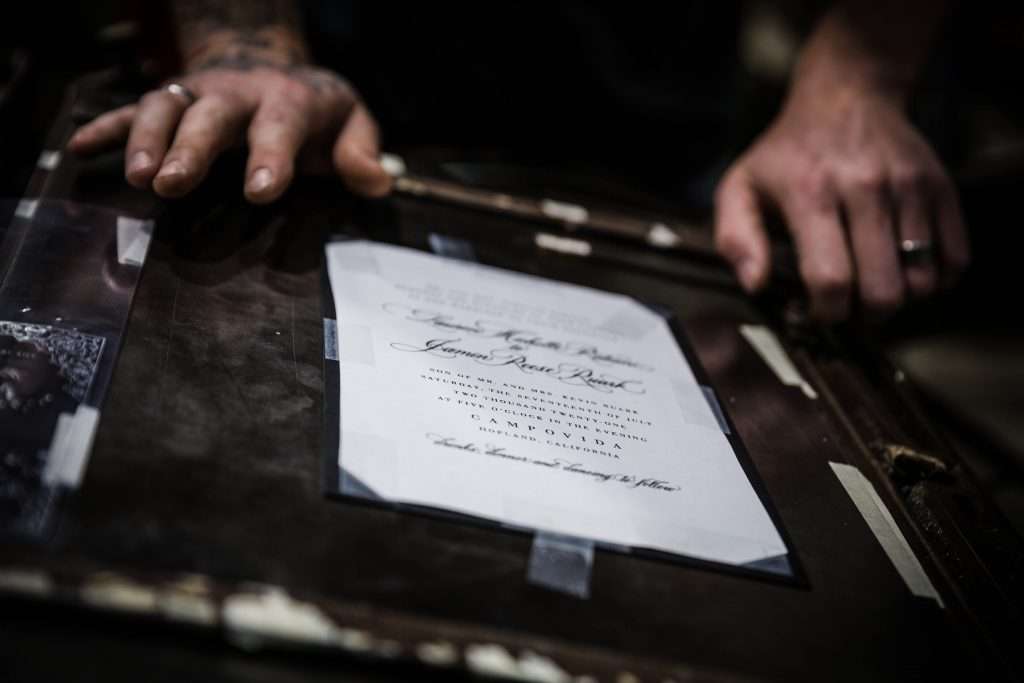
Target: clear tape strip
<point>330,339</point>
<point>561,563</point>
<point>451,247</point>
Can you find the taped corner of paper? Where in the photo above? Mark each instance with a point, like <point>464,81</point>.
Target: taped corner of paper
<point>561,563</point>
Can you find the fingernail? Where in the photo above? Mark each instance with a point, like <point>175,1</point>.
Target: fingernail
<point>140,161</point>
<point>260,180</point>
<point>171,169</point>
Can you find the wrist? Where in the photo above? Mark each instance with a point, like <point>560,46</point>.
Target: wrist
<point>837,82</point>
<point>271,46</point>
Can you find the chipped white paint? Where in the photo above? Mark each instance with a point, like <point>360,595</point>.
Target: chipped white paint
<point>491,660</point>
<point>660,235</point>
<point>563,245</point>
<point>188,608</point>
<point>496,661</point>
<point>772,352</point>
<point>354,640</point>
<point>570,213</point>
<point>439,653</point>
<point>393,165</point>
<point>185,600</point>
<point>534,667</point>
<point>25,581</point>
<point>272,613</point>
<point>110,591</point>
<point>387,649</point>
<point>188,599</point>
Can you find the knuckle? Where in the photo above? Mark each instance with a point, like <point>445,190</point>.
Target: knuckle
<point>814,185</point>
<point>296,94</point>
<point>868,178</point>
<point>911,179</point>
<point>154,98</point>
<point>219,103</point>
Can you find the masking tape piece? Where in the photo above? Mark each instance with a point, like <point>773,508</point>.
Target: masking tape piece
<point>49,159</point>
<point>26,208</point>
<point>451,247</point>
<point>561,563</point>
<point>570,213</point>
<point>71,447</point>
<point>771,351</point>
<point>563,245</point>
<point>660,235</point>
<point>133,238</point>
<point>878,518</point>
<point>58,450</point>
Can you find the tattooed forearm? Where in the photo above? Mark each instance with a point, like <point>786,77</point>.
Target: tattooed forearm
<point>239,31</point>
<point>237,14</point>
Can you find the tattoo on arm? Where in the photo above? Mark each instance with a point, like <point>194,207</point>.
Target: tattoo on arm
<point>240,33</point>
<point>235,14</point>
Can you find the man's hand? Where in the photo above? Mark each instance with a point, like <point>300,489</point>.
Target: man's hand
<point>252,85</point>
<point>853,180</point>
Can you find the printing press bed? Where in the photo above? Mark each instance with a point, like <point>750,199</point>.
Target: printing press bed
<point>200,544</point>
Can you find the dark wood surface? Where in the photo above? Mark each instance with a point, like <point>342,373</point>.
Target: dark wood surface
<point>208,464</point>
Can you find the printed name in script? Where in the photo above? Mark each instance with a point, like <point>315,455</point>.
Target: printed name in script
<point>519,338</point>
<point>567,373</point>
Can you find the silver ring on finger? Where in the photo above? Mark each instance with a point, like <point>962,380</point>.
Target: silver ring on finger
<point>178,90</point>
<point>916,252</point>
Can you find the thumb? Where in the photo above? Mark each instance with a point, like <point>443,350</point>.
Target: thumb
<point>740,236</point>
<point>355,155</point>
